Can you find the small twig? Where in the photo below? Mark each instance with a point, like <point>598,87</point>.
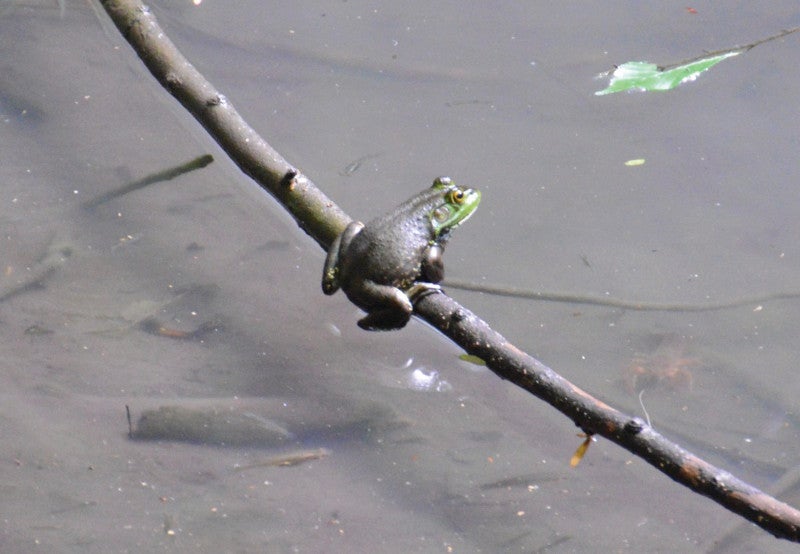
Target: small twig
<point>130,421</point>
<point>353,166</point>
<point>165,175</point>
<point>288,459</point>
<point>55,256</point>
<point>744,48</point>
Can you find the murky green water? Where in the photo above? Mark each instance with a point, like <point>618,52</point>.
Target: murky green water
<point>373,100</point>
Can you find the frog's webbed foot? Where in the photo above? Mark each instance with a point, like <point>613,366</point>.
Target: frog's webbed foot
<point>384,320</point>
<point>387,319</point>
<point>395,306</point>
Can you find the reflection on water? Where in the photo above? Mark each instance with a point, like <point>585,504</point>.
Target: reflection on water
<point>196,302</point>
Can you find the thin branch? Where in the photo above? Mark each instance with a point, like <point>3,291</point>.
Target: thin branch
<point>608,301</point>
<point>323,220</point>
<point>739,49</point>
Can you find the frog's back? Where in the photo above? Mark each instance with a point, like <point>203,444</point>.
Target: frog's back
<point>389,249</point>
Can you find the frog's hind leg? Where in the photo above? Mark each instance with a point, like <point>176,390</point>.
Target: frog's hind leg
<point>330,273</point>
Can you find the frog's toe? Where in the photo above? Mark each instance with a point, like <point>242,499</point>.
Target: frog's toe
<point>330,283</point>
<point>420,289</point>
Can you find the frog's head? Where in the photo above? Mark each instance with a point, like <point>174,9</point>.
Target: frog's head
<point>456,204</point>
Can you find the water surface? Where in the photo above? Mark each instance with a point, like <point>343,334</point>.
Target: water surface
<point>373,100</point>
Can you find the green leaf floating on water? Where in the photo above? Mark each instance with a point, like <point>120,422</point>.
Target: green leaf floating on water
<point>649,76</point>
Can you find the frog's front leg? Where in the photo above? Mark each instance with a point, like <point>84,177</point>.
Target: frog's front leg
<point>431,273</point>
<point>388,307</point>
<point>432,269</point>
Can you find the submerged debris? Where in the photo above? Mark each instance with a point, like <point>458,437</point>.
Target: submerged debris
<point>213,426</point>
<point>16,281</point>
<point>289,459</point>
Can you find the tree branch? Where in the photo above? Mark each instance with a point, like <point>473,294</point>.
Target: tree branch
<point>323,220</point>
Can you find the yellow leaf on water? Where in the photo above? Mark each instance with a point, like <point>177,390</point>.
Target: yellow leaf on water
<point>471,359</point>
<point>578,456</point>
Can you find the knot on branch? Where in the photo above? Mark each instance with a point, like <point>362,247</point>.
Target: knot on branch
<point>288,179</point>
<point>172,79</point>
<point>633,426</point>
<point>216,100</point>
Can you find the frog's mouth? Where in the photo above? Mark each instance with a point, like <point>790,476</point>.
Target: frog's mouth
<point>466,215</point>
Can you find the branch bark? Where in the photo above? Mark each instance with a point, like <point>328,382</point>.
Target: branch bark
<point>318,216</point>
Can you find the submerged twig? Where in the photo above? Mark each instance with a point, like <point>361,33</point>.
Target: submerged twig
<point>570,298</point>
<point>165,175</point>
<point>57,253</point>
<point>288,459</point>
<point>353,166</point>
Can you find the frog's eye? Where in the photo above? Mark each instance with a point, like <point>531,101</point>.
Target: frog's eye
<point>457,196</point>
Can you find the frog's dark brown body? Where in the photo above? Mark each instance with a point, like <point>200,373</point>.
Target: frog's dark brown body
<point>378,262</point>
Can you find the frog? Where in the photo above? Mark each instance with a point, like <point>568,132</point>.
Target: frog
<point>385,265</point>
